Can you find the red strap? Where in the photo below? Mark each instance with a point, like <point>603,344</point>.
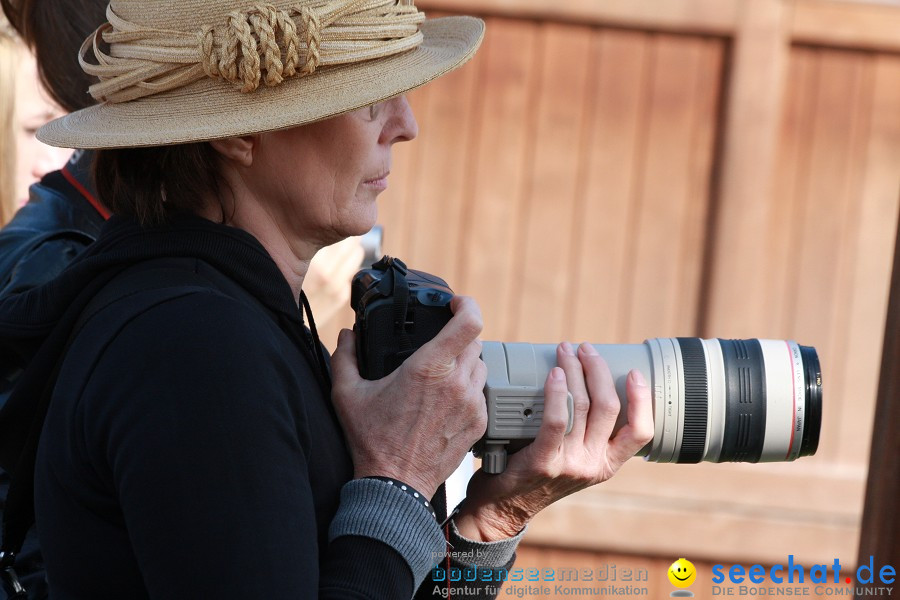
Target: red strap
<point>447,536</point>
<point>84,192</point>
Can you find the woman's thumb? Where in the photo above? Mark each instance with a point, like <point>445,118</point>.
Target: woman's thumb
<point>343,361</point>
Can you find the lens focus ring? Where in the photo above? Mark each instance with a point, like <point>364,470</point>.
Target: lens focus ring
<point>695,400</point>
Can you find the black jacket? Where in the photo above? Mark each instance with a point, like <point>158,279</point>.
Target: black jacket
<point>57,223</point>
<point>198,398</point>
<point>190,449</point>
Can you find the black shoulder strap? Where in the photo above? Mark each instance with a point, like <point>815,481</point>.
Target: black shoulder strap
<point>24,413</point>
<point>394,285</point>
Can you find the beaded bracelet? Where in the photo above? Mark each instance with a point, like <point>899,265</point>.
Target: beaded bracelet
<point>412,493</point>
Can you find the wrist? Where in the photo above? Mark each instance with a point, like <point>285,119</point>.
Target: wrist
<point>412,480</point>
<point>490,523</point>
<point>410,491</point>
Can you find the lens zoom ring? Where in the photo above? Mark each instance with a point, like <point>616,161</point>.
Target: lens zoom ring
<point>693,441</point>
<point>745,401</point>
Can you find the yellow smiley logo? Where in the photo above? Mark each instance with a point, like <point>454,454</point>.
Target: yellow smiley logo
<point>682,573</point>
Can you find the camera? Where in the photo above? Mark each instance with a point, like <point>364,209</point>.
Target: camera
<point>397,311</point>
<point>714,400</point>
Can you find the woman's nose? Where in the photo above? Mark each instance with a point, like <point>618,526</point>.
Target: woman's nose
<point>47,158</point>
<point>402,126</point>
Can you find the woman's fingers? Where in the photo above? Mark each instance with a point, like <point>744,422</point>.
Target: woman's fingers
<point>442,352</point>
<point>639,430</point>
<point>556,416</point>
<point>567,359</point>
<point>604,400</point>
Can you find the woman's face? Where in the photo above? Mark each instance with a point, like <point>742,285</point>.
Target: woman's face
<point>32,110</point>
<point>319,182</point>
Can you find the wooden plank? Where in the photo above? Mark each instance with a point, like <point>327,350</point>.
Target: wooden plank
<point>881,522</point>
<point>659,233</point>
<point>836,23</point>
<point>860,25</point>
<point>493,209</point>
<point>856,376</point>
<point>397,205</point>
<point>699,185</point>
<point>791,181</point>
<point>446,139</point>
<point>618,88</point>
<point>821,238</point>
<point>736,305</point>
<point>545,250</point>
<point>874,202</point>
<point>685,16</point>
<point>802,487</point>
<point>637,525</point>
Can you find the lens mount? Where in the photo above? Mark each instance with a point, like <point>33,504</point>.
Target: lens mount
<point>812,375</point>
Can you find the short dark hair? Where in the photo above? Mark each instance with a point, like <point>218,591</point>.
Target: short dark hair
<point>55,30</point>
<point>152,184</point>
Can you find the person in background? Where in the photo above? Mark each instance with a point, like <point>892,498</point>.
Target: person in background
<point>62,216</point>
<point>8,58</point>
<point>33,108</point>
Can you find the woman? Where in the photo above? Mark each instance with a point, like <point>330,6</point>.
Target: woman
<point>195,445</point>
<point>8,59</point>
<point>24,107</point>
<point>33,109</point>
<point>63,215</point>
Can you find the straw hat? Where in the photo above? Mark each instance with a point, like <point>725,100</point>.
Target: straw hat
<point>192,70</point>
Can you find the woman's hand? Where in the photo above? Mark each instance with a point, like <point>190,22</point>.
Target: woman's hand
<point>555,464</point>
<point>416,424</point>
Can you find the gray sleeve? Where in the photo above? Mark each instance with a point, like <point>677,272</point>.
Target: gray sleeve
<point>475,569</point>
<point>491,555</point>
<point>372,508</point>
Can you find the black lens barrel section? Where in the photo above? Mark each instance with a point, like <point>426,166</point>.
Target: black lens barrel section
<point>696,404</point>
<point>745,401</point>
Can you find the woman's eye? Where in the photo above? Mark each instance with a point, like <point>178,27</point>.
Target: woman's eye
<point>374,109</point>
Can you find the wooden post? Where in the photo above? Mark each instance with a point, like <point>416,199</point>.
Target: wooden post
<point>753,110</point>
<point>880,535</point>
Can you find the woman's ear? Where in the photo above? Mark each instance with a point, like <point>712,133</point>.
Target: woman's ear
<point>237,149</point>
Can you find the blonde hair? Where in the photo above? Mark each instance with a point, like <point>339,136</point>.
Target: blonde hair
<point>10,47</point>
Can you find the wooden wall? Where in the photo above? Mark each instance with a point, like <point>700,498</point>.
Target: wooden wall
<point>610,171</point>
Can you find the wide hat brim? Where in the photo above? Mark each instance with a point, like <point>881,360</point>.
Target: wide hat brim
<point>213,109</point>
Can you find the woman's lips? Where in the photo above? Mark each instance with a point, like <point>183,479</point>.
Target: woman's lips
<point>379,183</point>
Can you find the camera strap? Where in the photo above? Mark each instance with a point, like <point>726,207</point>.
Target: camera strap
<point>401,306</point>
<point>395,285</point>
<point>315,345</point>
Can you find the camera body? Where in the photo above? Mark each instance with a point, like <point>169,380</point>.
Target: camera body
<point>397,311</point>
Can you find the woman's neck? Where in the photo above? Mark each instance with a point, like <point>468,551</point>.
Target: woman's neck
<point>292,256</point>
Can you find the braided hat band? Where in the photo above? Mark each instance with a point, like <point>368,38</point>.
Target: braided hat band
<point>175,70</point>
<point>259,43</point>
